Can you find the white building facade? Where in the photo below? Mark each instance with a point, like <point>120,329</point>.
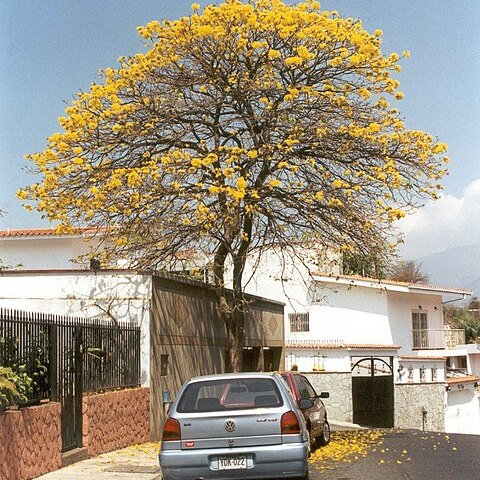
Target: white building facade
<point>45,249</point>
<point>362,338</point>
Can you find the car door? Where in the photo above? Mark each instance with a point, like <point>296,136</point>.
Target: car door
<point>316,413</point>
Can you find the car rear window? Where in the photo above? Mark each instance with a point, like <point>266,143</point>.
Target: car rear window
<point>229,394</point>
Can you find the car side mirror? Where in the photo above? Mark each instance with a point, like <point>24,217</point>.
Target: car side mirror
<point>305,404</point>
<point>324,395</point>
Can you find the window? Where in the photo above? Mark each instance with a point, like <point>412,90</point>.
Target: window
<point>302,387</point>
<point>420,329</point>
<point>163,364</point>
<point>318,363</point>
<point>228,394</point>
<point>457,364</point>
<point>299,322</point>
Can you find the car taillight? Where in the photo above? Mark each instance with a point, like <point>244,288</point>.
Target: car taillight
<point>171,430</point>
<point>290,423</point>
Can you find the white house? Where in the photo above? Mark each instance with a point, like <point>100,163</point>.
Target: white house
<point>44,248</point>
<point>380,347</point>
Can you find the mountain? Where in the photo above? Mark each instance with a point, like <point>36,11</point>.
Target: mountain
<point>454,267</point>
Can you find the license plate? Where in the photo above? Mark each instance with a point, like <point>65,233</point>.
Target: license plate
<point>232,462</point>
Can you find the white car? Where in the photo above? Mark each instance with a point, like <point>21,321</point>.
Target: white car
<point>235,426</point>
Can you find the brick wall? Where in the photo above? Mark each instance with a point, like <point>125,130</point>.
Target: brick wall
<point>30,442</point>
<point>115,420</point>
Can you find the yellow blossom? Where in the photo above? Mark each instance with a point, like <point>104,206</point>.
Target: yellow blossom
<point>241,183</point>
<point>273,54</point>
<point>293,61</point>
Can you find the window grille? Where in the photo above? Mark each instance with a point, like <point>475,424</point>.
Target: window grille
<point>299,322</point>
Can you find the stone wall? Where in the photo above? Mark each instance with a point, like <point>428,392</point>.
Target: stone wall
<point>30,442</point>
<point>412,399</point>
<point>115,420</point>
<point>339,385</point>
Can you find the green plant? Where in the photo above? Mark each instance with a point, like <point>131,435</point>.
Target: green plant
<point>471,325</point>
<point>14,386</point>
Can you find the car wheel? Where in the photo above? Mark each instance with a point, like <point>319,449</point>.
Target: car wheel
<point>305,477</point>
<point>325,436</point>
<point>309,443</point>
<point>312,441</point>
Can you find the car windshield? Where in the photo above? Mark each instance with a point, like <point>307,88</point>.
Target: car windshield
<point>229,394</point>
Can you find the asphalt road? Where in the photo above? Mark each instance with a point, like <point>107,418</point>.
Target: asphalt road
<point>410,455</point>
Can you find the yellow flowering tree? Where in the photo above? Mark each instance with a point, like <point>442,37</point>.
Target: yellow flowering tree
<point>242,124</point>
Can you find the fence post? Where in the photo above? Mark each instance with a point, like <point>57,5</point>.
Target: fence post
<point>53,361</point>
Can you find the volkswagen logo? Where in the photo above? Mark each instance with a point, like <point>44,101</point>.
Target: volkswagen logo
<point>230,425</point>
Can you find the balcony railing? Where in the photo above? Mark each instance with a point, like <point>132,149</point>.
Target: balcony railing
<point>295,339</point>
<point>436,339</point>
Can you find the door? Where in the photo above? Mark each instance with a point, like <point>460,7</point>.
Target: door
<point>372,392</point>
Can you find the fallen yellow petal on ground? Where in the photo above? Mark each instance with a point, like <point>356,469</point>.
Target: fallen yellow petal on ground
<point>346,447</point>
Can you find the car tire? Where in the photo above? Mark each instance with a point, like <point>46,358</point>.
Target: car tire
<point>312,441</point>
<point>324,438</point>
<point>306,476</point>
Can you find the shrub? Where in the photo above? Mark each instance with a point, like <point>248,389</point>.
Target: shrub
<point>14,387</point>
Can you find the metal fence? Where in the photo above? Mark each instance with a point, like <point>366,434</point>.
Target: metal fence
<point>52,347</point>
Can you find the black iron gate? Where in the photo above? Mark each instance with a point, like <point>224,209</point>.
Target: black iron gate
<point>372,392</point>
<point>70,386</point>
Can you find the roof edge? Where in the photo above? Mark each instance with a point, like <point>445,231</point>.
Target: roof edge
<point>385,284</point>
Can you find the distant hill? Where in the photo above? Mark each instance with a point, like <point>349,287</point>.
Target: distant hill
<point>455,267</point>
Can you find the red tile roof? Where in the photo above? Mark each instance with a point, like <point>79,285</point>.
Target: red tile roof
<point>466,379</point>
<point>42,232</point>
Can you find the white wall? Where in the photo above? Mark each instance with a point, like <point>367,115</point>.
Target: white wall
<point>475,364</point>
<point>463,410</point>
<point>400,307</point>
<point>355,315</point>
<point>39,253</point>
<point>282,277</point>
<point>335,360</point>
<point>414,365</point>
<point>125,296</point>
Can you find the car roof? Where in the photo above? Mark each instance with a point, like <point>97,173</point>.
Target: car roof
<point>223,376</point>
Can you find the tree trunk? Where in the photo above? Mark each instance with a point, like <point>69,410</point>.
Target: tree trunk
<point>231,307</point>
<point>235,334</point>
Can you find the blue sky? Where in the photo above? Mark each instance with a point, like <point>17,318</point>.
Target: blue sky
<point>51,49</point>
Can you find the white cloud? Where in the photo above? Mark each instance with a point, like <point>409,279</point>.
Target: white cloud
<point>445,223</point>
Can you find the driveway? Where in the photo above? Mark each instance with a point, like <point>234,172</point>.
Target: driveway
<point>351,455</point>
